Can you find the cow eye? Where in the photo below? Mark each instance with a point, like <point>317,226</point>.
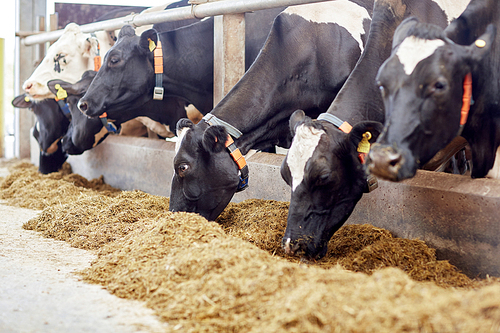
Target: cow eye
<point>114,60</point>
<point>183,168</point>
<point>322,179</point>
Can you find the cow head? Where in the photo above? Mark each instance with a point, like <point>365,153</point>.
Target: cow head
<point>327,178</point>
<point>126,78</point>
<point>206,176</point>
<point>83,133</point>
<point>423,84</point>
<point>51,124</point>
<point>66,59</point>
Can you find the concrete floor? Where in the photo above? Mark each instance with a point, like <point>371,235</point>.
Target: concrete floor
<point>39,291</point>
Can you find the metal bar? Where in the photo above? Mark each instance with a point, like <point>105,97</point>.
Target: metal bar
<point>175,14</point>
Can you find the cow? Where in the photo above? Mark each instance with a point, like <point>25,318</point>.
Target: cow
<point>127,76</point>
<point>51,124</point>
<point>74,52</point>
<point>450,89</point>
<point>324,166</point>
<point>85,133</point>
<point>306,59</point>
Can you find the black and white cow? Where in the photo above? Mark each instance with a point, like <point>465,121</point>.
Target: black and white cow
<point>306,59</point>
<point>85,133</point>
<point>425,86</point>
<point>324,165</point>
<point>51,125</point>
<point>127,76</point>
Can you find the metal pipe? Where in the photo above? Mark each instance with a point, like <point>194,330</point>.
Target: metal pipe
<point>174,14</point>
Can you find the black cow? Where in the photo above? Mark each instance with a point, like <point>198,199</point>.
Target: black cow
<point>324,165</point>
<point>51,124</point>
<point>127,78</point>
<point>85,133</point>
<point>303,64</point>
<point>424,96</point>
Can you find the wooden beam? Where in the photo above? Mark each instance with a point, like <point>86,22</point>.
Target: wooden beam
<point>229,53</point>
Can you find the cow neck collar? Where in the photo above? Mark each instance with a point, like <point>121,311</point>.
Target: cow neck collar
<point>157,50</point>
<point>344,126</point>
<point>107,124</point>
<point>97,57</point>
<point>467,101</point>
<point>233,150</point>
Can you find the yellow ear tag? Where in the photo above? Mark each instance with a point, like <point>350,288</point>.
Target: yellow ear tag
<point>61,93</point>
<point>152,45</point>
<point>364,144</point>
<point>480,43</point>
<point>26,99</point>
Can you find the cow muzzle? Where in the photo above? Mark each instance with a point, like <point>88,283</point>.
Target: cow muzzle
<point>385,162</point>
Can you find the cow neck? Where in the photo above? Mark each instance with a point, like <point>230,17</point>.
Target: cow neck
<point>233,150</point>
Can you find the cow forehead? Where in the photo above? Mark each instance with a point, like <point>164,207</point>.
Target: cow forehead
<point>413,50</point>
<point>342,12</point>
<point>304,144</point>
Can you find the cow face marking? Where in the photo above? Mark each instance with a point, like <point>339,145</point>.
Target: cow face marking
<point>57,62</point>
<point>181,134</point>
<point>304,143</point>
<point>413,50</point>
<point>322,13</point>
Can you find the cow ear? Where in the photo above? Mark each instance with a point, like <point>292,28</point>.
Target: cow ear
<point>56,85</point>
<point>126,30</point>
<point>214,139</point>
<point>297,118</point>
<point>90,47</point>
<point>374,128</point>
<point>183,123</point>
<point>482,46</point>
<point>149,40</point>
<point>22,101</point>
<point>403,30</point>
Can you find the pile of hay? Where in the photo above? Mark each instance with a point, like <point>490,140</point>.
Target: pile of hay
<point>233,275</point>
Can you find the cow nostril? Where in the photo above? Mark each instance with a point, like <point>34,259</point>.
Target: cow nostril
<point>82,106</point>
<point>28,86</point>
<point>394,159</point>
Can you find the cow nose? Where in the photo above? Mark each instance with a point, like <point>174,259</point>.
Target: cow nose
<point>289,247</point>
<point>28,87</point>
<point>384,162</point>
<point>82,106</point>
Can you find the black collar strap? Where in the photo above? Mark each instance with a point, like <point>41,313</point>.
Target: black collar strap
<point>344,126</point>
<point>234,151</point>
<point>158,67</point>
<point>108,125</point>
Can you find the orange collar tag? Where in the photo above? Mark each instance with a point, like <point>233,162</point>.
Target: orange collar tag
<point>466,99</point>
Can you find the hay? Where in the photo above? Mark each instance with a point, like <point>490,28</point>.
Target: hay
<point>202,276</point>
<point>26,187</point>
<point>198,279</point>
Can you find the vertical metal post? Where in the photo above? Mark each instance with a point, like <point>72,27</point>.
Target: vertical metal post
<point>229,53</point>
<point>2,96</point>
<point>29,10</point>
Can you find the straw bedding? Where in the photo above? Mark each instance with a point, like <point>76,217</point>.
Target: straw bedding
<point>201,276</point>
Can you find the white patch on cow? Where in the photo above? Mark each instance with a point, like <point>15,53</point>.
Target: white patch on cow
<point>413,50</point>
<point>342,12</point>
<point>181,136</point>
<point>495,170</point>
<point>452,8</point>
<point>303,145</point>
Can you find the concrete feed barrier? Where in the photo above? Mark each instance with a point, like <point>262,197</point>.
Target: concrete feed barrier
<point>457,215</point>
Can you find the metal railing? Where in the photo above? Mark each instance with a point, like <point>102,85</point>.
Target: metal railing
<point>175,14</point>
